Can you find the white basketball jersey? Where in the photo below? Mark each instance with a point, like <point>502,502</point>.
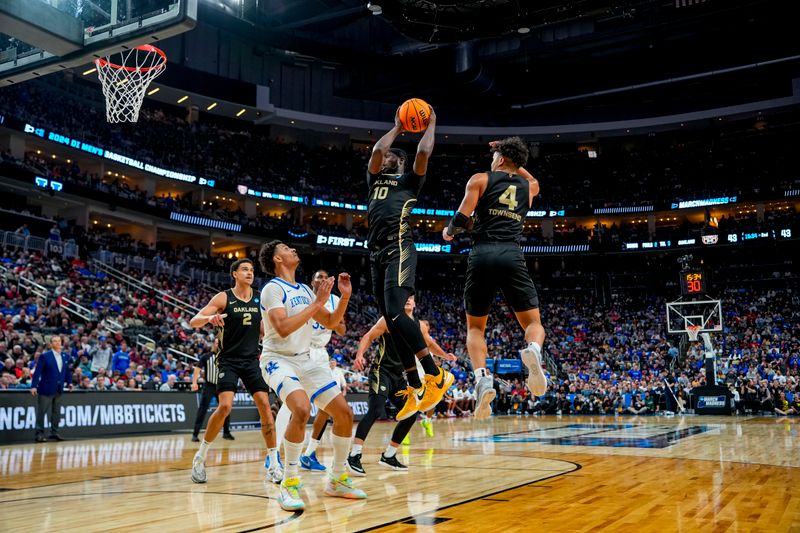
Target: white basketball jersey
<point>320,335</point>
<point>278,293</point>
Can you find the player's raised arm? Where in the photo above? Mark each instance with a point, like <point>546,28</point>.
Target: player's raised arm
<point>210,313</point>
<point>533,190</point>
<point>371,336</point>
<point>332,319</point>
<point>285,325</point>
<point>461,221</point>
<point>341,328</point>
<point>425,147</point>
<point>383,145</point>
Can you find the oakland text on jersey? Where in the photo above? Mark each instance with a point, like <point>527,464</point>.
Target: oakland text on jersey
<point>391,182</point>
<point>245,310</point>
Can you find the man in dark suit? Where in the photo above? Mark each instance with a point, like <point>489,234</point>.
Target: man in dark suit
<point>49,377</point>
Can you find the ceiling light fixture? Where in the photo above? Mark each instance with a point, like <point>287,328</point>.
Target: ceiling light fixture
<point>86,73</point>
<point>154,91</point>
<point>212,106</point>
<point>523,29</point>
<point>183,99</point>
<point>375,8</point>
<point>241,112</point>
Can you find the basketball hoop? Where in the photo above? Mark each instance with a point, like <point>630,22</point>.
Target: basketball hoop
<point>693,332</point>
<point>126,80</point>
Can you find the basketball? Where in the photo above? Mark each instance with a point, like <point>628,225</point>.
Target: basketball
<point>414,115</point>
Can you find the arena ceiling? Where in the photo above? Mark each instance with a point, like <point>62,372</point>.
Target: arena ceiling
<point>514,53</point>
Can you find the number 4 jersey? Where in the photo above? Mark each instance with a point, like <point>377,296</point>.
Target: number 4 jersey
<point>501,211</point>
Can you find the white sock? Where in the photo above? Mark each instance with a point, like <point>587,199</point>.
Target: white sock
<point>481,373</point>
<point>273,456</point>
<point>292,451</point>
<point>341,446</point>
<point>312,446</point>
<point>356,449</point>
<point>204,446</point>
<point>391,451</point>
<point>533,345</point>
<point>281,423</point>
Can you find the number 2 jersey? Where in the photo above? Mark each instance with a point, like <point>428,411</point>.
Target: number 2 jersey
<point>238,338</point>
<point>391,199</point>
<point>501,211</point>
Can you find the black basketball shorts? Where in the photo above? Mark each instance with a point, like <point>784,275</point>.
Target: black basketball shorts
<point>387,385</point>
<point>394,265</point>
<point>231,370</point>
<point>493,266</point>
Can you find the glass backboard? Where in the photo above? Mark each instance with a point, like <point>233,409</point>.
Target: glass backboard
<point>38,37</point>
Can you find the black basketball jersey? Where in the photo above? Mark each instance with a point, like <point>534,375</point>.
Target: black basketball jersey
<point>391,199</point>
<point>238,338</point>
<point>501,211</point>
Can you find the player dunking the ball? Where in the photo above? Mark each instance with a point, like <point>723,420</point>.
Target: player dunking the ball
<point>500,200</point>
<point>393,191</point>
<point>237,316</point>
<point>289,309</point>
<point>386,382</point>
<point>320,337</point>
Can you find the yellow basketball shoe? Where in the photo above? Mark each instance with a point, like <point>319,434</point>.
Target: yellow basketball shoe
<point>413,399</point>
<point>435,387</point>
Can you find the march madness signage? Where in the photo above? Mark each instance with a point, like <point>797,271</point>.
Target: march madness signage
<point>90,414</point>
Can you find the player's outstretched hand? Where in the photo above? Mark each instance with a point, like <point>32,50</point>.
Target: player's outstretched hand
<point>446,236</point>
<point>360,363</point>
<point>450,357</point>
<point>324,290</point>
<point>217,320</point>
<point>344,284</point>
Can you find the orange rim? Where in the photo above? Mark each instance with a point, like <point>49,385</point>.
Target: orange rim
<point>104,62</point>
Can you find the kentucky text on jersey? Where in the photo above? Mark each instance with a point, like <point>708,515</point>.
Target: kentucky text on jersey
<point>299,300</point>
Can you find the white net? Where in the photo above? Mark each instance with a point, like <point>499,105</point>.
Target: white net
<point>693,332</point>
<point>125,80</point>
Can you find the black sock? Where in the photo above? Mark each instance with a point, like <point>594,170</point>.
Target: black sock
<point>429,365</point>
<point>413,378</point>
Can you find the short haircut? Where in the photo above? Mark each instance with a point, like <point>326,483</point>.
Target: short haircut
<point>239,262</point>
<point>265,256</point>
<point>514,149</point>
<point>400,153</point>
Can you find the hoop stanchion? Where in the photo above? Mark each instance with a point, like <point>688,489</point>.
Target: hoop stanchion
<point>126,79</point>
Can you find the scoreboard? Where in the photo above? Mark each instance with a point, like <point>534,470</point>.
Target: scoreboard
<point>692,282</point>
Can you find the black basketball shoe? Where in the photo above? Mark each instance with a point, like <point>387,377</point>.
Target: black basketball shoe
<point>393,463</point>
<point>354,464</point>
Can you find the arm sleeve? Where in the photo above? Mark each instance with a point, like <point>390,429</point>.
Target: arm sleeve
<point>272,296</point>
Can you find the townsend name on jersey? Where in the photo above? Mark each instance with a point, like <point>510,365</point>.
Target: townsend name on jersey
<point>505,213</point>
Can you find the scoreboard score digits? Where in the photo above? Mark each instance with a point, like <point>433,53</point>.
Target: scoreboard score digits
<point>693,282</point>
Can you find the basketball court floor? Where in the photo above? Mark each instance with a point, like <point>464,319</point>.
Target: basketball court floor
<point>505,474</point>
